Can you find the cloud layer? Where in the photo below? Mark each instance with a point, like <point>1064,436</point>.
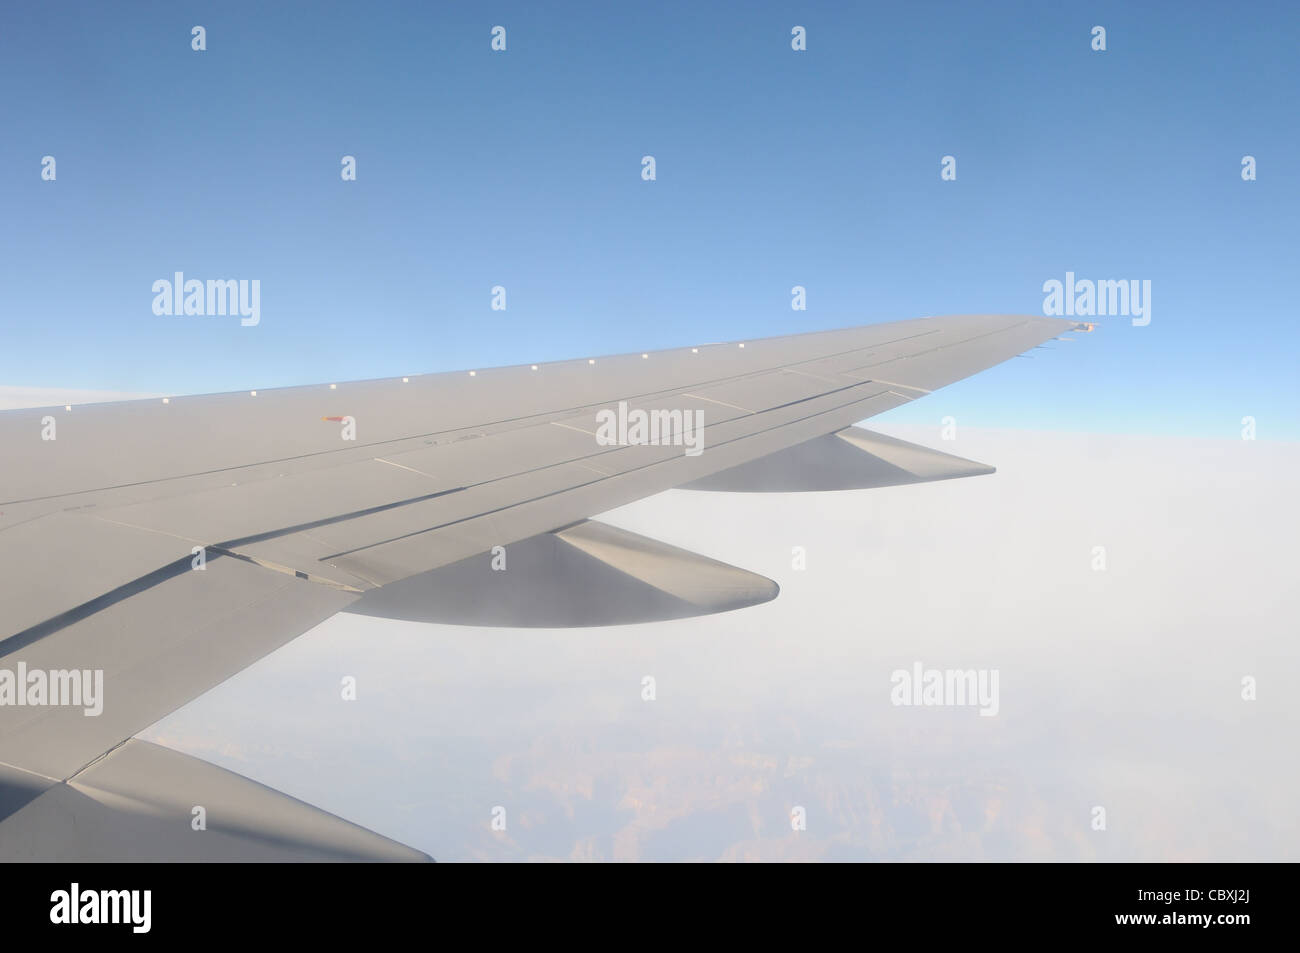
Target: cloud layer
<point>1121,688</point>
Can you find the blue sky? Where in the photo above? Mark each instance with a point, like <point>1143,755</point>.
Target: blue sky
<point>775,168</point>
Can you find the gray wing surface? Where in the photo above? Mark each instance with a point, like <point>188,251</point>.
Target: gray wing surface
<point>294,521</point>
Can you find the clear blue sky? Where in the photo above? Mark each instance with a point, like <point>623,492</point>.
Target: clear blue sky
<point>775,168</point>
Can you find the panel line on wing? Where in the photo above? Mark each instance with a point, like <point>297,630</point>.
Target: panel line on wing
<point>879,380</point>
<point>645,466</point>
<point>721,403</point>
<point>402,466</point>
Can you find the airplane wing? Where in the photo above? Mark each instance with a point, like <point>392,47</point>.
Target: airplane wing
<point>151,549</point>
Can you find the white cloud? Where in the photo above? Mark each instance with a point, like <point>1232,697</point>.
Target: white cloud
<point>1118,688</point>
